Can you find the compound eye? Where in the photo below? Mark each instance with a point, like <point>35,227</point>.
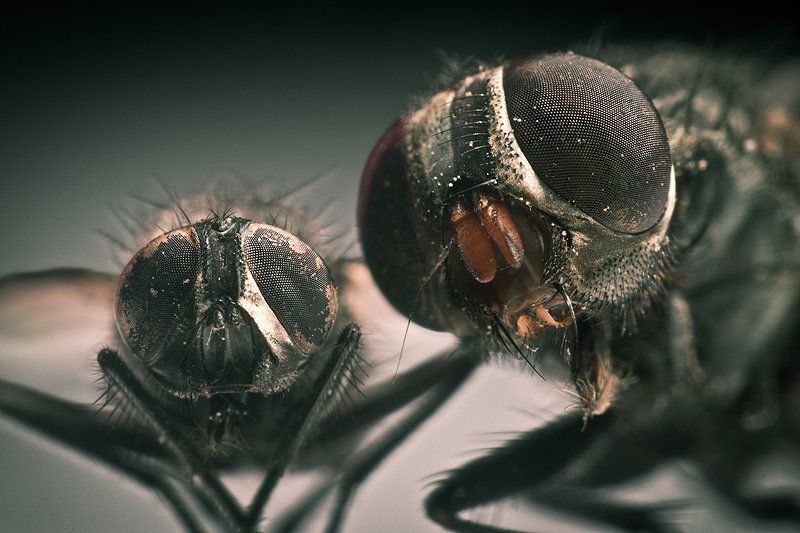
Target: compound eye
<point>592,137</point>
<point>156,290</point>
<point>294,281</point>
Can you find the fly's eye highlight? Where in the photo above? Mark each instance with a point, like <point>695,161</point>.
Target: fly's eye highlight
<point>294,281</point>
<point>592,137</point>
<point>156,290</point>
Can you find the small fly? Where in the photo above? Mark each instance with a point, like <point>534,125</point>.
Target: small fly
<point>224,355</point>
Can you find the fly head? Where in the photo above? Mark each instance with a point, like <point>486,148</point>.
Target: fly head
<point>521,197</point>
<point>225,305</point>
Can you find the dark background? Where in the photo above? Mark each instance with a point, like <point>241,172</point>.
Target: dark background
<point>96,99</point>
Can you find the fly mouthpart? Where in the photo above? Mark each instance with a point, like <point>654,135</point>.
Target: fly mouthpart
<point>227,340</point>
<point>541,313</point>
<point>503,247</point>
<point>485,231</point>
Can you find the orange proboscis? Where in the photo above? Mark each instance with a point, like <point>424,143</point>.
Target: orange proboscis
<point>531,327</point>
<point>543,316</point>
<point>496,218</point>
<point>528,328</point>
<point>478,231</point>
<point>474,244</point>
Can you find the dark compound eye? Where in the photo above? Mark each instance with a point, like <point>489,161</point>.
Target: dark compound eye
<point>156,290</point>
<point>592,137</point>
<point>294,281</point>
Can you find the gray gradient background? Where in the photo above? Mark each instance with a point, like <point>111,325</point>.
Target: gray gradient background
<point>95,101</point>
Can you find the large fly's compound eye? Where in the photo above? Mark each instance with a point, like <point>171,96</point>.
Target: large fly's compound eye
<point>386,227</point>
<point>294,281</point>
<point>592,137</point>
<point>156,291</point>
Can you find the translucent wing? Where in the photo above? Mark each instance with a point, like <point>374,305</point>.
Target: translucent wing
<point>52,324</point>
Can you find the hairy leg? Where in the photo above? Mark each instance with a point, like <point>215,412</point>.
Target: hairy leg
<point>431,383</point>
<point>551,466</point>
<point>304,422</point>
<point>125,448</point>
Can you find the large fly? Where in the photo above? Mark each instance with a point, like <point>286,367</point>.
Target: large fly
<point>639,208</point>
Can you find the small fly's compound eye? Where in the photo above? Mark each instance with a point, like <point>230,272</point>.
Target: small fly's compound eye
<point>294,281</point>
<point>156,291</point>
<point>592,137</point>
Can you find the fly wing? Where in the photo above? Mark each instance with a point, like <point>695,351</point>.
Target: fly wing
<point>52,324</point>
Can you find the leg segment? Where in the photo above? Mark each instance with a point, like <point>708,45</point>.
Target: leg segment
<point>543,464</point>
<point>137,397</point>
<point>438,378</point>
<point>369,460</point>
<point>305,419</point>
<point>133,452</point>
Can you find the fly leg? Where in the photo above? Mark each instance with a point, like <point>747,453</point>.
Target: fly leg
<point>625,516</point>
<point>386,398</point>
<point>549,465</point>
<point>735,473</point>
<point>778,507</point>
<point>536,459</point>
<point>434,381</point>
<point>686,369</point>
<point>123,448</point>
<point>304,420</point>
<point>74,424</point>
<point>141,398</point>
<point>764,424</point>
<point>367,461</point>
<point>729,482</point>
